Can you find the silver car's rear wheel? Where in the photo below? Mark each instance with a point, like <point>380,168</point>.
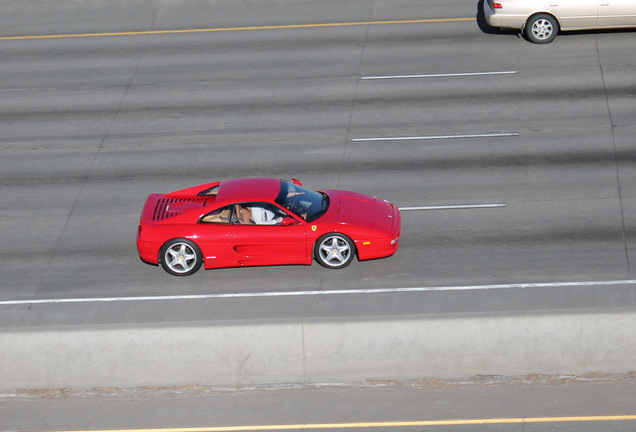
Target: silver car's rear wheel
<point>334,251</point>
<point>180,257</point>
<point>541,28</point>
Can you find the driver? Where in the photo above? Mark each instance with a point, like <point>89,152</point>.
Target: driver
<point>293,204</point>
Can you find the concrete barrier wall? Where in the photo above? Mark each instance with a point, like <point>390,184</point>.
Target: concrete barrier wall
<point>314,351</point>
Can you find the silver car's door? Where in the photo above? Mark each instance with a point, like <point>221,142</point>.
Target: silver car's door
<point>616,13</point>
<point>574,13</point>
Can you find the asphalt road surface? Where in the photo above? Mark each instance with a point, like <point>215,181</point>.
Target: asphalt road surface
<point>482,404</point>
<point>104,103</point>
<point>513,163</point>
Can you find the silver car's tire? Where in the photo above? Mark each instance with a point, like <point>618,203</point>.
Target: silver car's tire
<point>334,251</point>
<point>180,257</point>
<point>541,28</point>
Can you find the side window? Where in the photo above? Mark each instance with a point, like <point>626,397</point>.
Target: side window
<point>258,213</point>
<point>210,191</point>
<point>219,216</point>
<point>242,214</point>
<point>267,214</point>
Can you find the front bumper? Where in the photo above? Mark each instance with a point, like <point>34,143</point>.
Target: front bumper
<point>384,246</point>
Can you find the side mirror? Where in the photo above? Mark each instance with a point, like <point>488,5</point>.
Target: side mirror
<point>296,181</point>
<point>289,221</point>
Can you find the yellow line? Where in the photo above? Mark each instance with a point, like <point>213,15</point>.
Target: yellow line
<point>381,424</point>
<point>276,27</point>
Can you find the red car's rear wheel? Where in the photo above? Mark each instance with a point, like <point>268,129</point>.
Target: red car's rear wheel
<point>180,257</point>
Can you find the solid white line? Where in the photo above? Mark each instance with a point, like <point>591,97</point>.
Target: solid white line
<point>320,293</point>
<point>446,75</point>
<point>436,137</point>
<point>453,207</point>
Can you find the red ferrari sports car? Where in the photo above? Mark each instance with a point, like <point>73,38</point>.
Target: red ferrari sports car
<point>254,222</point>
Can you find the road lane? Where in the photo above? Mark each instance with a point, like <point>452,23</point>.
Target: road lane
<point>69,17</point>
<point>394,425</point>
<point>233,29</point>
<point>535,403</point>
<point>90,126</point>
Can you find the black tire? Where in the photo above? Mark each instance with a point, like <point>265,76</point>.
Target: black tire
<point>180,257</point>
<point>541,28</point>
<point>334,251</point>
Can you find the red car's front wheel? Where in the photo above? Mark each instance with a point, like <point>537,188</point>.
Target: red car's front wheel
<point>334,250</point>
<point>180,257</point>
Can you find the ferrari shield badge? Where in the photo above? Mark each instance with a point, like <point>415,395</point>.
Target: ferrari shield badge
<point>314,227</point>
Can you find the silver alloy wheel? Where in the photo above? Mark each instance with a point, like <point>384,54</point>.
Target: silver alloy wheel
<point>542,29</point>
<point>180,257</point>
<point>335,251</point>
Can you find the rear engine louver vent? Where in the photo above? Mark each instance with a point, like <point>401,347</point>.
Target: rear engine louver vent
<point>169,207</point>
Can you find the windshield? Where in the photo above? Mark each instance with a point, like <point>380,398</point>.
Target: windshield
<point>304,203</point>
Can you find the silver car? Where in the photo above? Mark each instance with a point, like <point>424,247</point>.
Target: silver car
<point>541,20</point>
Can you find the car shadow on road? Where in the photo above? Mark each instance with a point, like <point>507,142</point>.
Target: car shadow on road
<point>487,29</point>
<point>600,31</point>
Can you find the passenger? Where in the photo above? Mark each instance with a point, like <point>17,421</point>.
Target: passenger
<point>263,216</point>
